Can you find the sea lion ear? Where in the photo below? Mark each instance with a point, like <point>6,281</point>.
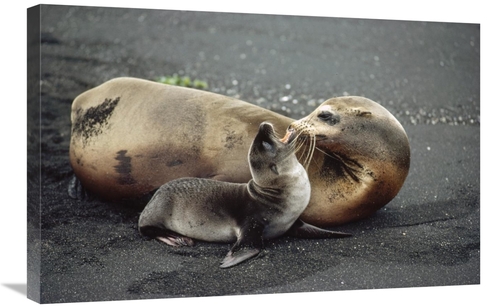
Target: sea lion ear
<point>361,112</point>
<point>274,169</point>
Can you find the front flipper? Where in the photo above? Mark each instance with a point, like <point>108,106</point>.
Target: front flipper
<point>233,258</point>
<point>248,245</point>
<point>304,230</point>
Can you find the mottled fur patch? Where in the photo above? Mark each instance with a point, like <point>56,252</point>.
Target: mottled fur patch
<point>124,168</point>
<point>91,122</point>
<point>232,139</point>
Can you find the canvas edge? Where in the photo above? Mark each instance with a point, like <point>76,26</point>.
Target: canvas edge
<point>33,154</point>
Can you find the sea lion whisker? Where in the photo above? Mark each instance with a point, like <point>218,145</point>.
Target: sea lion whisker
<point>297,146</point>
<point>329,155</point>
<point>301,158</point>
<point>347,167</point>
<point>312,145</point>
<point>310,153</point>
<point>298,140</point>
<point>302,152</point>
<point>315,161</point>
<point>291,151</point>
<point>304,141</point>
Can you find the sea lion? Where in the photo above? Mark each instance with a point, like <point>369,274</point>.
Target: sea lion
<point>130,136</point>
<point>361,160</point>
<point>246,214</point>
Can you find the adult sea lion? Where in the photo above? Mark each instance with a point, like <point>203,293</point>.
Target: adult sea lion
<point>130,136</point>
<point>244,214</point>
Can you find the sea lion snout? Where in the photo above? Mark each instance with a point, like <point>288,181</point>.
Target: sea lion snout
<point>266,140</point>
<point>291,134</point>
<point>266,130</point>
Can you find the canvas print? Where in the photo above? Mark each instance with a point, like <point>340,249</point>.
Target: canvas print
<point>192,154</point>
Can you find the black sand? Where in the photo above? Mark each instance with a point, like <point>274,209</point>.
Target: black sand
<point>426,74</point>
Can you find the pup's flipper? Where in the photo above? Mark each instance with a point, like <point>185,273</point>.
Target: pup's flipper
<point>248,244</point>
<point>301,229</point>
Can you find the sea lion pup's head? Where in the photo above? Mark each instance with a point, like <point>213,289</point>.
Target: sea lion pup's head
<point>272,158</point>
<point>361,154</point>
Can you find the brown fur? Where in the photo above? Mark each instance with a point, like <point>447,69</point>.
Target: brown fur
<point>130,136</point>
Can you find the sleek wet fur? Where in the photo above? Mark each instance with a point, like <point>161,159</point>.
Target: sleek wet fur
<point>266,207</point>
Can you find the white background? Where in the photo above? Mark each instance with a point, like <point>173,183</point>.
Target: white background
<point>13,150</point>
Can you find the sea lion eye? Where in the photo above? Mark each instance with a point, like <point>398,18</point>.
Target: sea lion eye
<point>328,117</point>
<point>325,115</point>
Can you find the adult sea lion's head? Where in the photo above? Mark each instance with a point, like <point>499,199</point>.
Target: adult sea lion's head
<point>361,155</point>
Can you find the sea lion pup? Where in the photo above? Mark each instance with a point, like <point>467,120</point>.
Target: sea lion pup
<point>130,136</point>
<point>246,214</point>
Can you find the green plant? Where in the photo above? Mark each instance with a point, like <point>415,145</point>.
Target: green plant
<point>184,81</point>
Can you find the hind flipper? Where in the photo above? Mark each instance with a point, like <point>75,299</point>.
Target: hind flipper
<point>76,189</point>
<point>166,236</point>
<point>301,229</point>
<point>176,240</point>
